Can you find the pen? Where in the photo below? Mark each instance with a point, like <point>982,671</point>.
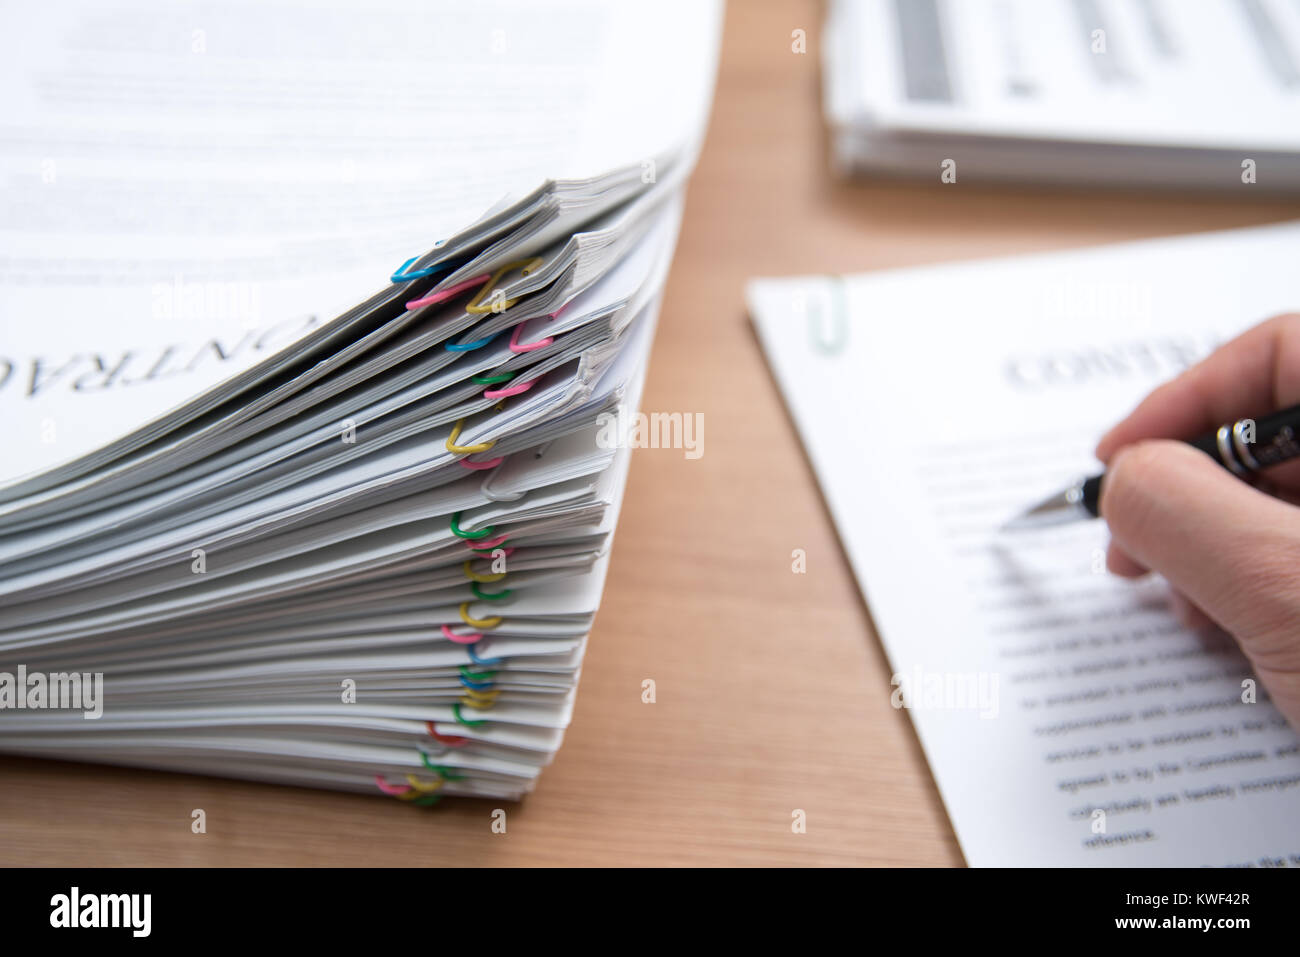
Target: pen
<point>1243,447</point>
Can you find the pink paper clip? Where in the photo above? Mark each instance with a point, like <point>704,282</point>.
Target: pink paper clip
<point>486,543</point>
<point>509,390</point>
<point>517,347</point>
<point>472,638</point>
<point>507,552</point>
<point>442,295</point>
<point>394,790</point>
<point>489,464</point>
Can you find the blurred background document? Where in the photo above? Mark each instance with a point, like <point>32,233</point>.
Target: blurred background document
<point>1068,718</point>
<point>1149,92</point>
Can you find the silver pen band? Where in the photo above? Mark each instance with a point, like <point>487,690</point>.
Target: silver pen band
<point>1223,438</point>
<point>1242,447</point>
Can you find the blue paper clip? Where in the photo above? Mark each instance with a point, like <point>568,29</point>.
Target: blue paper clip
<point>481,661</point>
<point>403,276</point>
<point>467,346</point>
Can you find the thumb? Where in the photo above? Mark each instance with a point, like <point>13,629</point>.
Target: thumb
<point>1230,548</point>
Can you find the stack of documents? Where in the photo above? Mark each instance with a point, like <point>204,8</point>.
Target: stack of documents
<point>1067,715</point>
<point>312,333</point>
<point>1195,93</point>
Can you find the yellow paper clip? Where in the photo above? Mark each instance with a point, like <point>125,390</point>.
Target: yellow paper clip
<point>455,449</point>
<point>419,787</point>
<point>526,267</point>
<point>478,622</point>
<point>481,579</point>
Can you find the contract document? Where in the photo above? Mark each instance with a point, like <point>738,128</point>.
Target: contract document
<point>1068,717</point>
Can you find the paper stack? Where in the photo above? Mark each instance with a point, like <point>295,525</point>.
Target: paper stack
<point>299,534</point>
<point>1203,94</point>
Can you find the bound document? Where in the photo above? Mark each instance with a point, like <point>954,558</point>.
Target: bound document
<point>310,332</point>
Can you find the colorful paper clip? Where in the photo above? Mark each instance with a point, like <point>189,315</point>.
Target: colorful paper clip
<point>485,685</point>
<point>468,569</point>
<point>461,719</point>
<point>424,787</point>
<point>442,295</point>
<point>489,464</point>
<point>482,595</point>
<point>479,700</point>
<point>469,346</point>
<point>403,276</point>
<point>508,391</point>
<point>519,348</point>
<point>472,536</point>
<point>393,790</point>
<point>450,740</point>
<point>440,770</point>
<point>416,792</point>
<point>485,662</point>
<point>478,622</point>
<point>455,449</point>
<point>526,267</point>
<point>472,638</point>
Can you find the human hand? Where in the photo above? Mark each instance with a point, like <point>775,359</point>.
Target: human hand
<point>1230,550</point>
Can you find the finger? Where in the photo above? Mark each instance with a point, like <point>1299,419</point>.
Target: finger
<point>1228,547</point>
<point>1255,373</point>
<point>1231,549</point>
<point>1121,563</point>
<point>1190,615</point>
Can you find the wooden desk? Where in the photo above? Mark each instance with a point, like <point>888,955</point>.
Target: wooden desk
<point>773,692</point>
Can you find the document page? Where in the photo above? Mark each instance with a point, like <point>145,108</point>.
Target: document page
<point>1068,717</point>
<point>189,188</point>
<point>1207,74</point>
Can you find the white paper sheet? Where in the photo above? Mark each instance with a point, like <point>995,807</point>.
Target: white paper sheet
<point>188,188</point>
<point>935,404</point>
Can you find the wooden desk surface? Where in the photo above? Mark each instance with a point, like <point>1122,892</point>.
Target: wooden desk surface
<point>773,692</point>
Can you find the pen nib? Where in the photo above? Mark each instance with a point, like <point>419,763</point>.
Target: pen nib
<point>1060,508</point>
